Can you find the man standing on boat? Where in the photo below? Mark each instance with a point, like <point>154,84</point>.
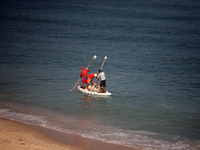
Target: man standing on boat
<point>90,79</point>
<point>83,75</point>
<point>103,81</point>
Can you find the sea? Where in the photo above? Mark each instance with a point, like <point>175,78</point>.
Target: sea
<point>152,69</point>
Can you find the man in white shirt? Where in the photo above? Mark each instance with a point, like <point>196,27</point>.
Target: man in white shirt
<point>103,81</point>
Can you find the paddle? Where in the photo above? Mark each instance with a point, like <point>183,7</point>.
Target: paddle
<point>103,62</point>
<point>100,69</point>
<point>87,68</point>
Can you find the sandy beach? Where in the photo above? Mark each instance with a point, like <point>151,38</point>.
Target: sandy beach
<point>14,135</point>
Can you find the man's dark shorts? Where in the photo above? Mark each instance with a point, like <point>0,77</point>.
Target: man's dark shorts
<point>103,83</point>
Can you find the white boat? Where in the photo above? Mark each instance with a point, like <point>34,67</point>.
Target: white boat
<point>93,93</point>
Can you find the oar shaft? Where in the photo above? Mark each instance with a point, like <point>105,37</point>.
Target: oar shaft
<point>90,63</point>
<point>75,84</point>
<point>87,67</point>
<point>101,67</point>
<point>96,79</point>
<point>103,64</point>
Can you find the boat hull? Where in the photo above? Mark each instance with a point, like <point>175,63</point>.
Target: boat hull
<point>93,93</point>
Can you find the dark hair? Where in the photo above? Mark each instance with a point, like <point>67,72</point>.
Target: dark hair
<point>100,70</point>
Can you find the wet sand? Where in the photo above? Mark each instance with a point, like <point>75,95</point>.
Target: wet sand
<point>14,135</point>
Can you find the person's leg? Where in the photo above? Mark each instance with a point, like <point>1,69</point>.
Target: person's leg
<point>101,86</point>
<point>84,81</point>
<point>92,82</point>
<point>104,89</point>
<point>83,85</point>
<point>104,86</point>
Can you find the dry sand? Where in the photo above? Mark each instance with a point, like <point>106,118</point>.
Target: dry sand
<point>15,136</point>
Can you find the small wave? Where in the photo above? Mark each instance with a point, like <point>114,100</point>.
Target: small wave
<point>119,93</point>
<point>22,117</point>
<point>2,111</point>
<point>85,128</point>
<point>166,106</point>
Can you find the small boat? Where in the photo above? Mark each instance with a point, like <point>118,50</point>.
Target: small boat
<point>93,93</point>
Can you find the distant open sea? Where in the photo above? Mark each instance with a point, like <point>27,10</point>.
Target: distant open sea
<point>152,70</point>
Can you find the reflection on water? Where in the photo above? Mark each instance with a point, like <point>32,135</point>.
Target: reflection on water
<point>90,101</point>
<point>92,104</point>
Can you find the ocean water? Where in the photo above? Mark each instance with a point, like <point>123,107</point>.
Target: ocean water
<point>152,70</point>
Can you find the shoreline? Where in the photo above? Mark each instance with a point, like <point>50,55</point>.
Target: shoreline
<point>15,134</point>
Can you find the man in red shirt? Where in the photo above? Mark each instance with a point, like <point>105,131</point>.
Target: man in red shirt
<point>90,79</point>
<point>83,75</point>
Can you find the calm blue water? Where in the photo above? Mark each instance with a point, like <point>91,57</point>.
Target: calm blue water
<point>152,70</point>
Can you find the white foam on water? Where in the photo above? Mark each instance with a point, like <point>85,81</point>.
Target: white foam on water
<point>21,117</point>
<point>86,128</point>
